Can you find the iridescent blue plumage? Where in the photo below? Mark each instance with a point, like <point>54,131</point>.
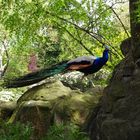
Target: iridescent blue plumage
<point>93,64</point>
<point>100,62</point>
<point>85,64</point>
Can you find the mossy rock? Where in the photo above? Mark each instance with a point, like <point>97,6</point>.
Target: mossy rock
<point>51,103</point>
<point>45,92</point>
<point>6,109</point>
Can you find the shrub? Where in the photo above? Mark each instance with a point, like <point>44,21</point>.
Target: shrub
<point>15,131</point>
<point>65,132</point>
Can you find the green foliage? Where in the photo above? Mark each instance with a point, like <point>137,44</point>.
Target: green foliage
<point>16,131</point>
<point>65,132</point>
<point>20,131</point>
<point>136,13</point>
<point>55,31</point>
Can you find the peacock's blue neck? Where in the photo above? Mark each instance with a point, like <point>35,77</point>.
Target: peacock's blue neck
<point>99,62</point>
<point>105,55</point>
<point>102,60</point>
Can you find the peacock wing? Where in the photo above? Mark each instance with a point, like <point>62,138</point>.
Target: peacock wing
<point>81,62</point>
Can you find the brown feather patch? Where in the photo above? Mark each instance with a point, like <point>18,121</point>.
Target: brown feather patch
<point>79,66</point>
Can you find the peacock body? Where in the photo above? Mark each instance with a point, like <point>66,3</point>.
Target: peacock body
<point>84,64</point>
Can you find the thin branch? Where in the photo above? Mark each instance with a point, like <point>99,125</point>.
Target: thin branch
<point>111,7</point>
<point>7,55</point>
<point>69,48</point>
<point>120,21</point>
<point>94,35</point>
<point>100,14</point>
<point>75,26</point>
<point>88,32</point>
<point>114,47</point>
<point>79,41</point>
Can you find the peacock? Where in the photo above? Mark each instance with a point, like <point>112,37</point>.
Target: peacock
<point>84,64</point>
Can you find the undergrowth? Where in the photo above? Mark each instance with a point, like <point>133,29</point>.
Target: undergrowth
<point>19,131</point>
<point>16,131</point>
<point>65,132</point>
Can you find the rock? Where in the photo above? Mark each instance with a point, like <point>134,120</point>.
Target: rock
<point>125,46</point>
<point>7,109</point>
<point>9,96</point>
<point>98,89</point>
<point>73,79</point>
<point>122,127</point>
<point>48,91</point>
<point>7,103</point>
<point>50,103</point>
<point>118,114</point>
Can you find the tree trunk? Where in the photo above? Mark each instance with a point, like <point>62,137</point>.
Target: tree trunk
<point>117,116</point>
<point>135,27</point>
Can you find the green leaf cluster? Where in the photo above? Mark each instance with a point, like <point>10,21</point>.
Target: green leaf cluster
<point>16,131</point>
<point>63,131</point>
<point>57,30</point>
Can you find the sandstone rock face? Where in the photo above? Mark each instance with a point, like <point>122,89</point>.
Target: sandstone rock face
<point>51,103</point>
<point>117,116</point>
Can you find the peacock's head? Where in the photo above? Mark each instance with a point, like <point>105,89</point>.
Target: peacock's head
<point>107,47</point>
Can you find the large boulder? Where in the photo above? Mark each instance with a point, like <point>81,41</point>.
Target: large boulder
<point>8,103</point>
<point>50,103</point>
<point>7,96</point>
<point>7,109</point>
<point>126,46</point>
<point>117,116</point>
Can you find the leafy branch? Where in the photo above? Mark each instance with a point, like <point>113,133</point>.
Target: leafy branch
<point>119,21</point>
<point>94,35</point>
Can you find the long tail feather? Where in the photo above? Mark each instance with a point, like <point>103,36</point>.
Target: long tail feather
<point>37,76</point>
